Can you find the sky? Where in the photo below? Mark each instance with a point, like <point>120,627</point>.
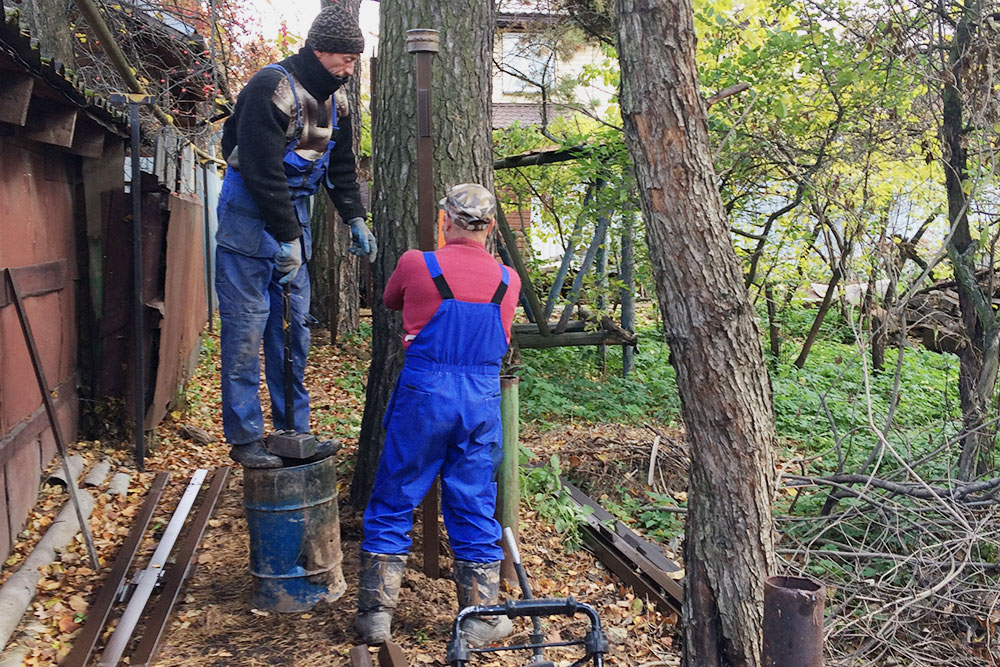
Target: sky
<point>298,14</point>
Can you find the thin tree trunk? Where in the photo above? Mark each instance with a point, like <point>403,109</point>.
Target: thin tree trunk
<point>773,329</point>
<point>463,152</point>
<point>978,358</point>
<point>824,308</point>
<point>712,332</point>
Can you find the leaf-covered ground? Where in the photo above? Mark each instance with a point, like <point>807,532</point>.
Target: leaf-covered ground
<point>215,623</point>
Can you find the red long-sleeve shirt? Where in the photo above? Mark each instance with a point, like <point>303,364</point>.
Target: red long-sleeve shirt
<point>470,271</point>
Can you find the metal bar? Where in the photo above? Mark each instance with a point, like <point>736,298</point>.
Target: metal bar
<point>628,290</point>
<point>793,622</point>
<point>360,657</point>
<point>46,391</point>
<point>149,646</point>
<point>537,633</point>
<point>636,561</point>
<point>138,305</point>
<point>522,299</point>
<point>522,271</point>
<point>391,655</point>
<point>602,287</point>
<point>567,260</point>
<point>423,44</point>
<point>508,477</point>
<point>208,228</point>
<point>432,537</point>
<point>288,366</point>
<point>100,609</point>
<point>602,227</point>
<point>130,617</point>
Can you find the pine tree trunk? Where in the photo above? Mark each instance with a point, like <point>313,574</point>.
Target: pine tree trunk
<point>463,152</point>
<point>710,326</point>
<point>49,24</point>
<point>333,270</point>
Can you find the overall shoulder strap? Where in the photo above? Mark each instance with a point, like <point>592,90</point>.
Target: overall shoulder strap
<point>430,259</point>
<point>502,287</point>
<point>295,95</point>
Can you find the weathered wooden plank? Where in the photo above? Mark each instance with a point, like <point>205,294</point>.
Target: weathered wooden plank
<point>15,98</point>
<point>28,430</point>
<point>36,279</point>
<point>88,140</point>
<point>51,124</point>
<point>528,340</point>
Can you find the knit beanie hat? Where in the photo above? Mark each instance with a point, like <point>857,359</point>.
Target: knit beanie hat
<point>335,30</point>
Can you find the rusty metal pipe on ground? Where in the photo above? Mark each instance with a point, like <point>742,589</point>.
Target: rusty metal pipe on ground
<point>793,622</point>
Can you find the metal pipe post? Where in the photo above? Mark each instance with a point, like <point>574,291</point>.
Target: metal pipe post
<point>207,218</point>
<point>628,290</point>
<point>793,622</point>
<point>423,43</point>
<point>508,479</point>
<point>138,304</point>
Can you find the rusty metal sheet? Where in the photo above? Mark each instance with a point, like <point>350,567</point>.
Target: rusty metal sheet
<point>184,314</point>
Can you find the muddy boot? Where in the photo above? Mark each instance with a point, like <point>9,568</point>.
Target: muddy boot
<point>378,589</point>
<point>479,584</point>
<point>253,455</point>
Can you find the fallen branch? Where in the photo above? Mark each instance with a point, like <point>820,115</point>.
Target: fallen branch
<point>956,493</point>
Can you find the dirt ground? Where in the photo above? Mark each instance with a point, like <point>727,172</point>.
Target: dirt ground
<point>215,622</point>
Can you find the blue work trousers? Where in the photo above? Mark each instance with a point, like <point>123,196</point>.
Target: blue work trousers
<point>250,308</point>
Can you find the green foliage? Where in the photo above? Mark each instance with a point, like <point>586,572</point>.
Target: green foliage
<point>542,489</point>
<point>647,513</point>
<point>562,384</point>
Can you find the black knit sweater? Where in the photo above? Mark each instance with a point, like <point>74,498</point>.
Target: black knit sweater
<point>260,130</point>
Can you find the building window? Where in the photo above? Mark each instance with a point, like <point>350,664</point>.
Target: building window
<point>528,63</point>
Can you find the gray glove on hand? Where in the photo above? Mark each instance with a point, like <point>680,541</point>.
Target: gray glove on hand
<point>288,259</point>
<point>362,240</point>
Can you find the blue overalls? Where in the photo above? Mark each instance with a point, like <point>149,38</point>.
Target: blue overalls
<point>444,415</point>
<point>250,296</point>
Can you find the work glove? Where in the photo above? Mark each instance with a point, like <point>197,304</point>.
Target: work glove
<point>288,259</point>
<point>362,240</point>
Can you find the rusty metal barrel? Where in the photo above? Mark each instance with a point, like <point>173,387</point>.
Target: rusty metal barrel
<point>793,622</point>
<point>294,527</point>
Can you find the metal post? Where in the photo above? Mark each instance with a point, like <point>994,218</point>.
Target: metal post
<point>138,304</point>
<point>628,290</point>
<point>423,43</point>
<point>508,479</point>
<point>50,409</point>
<point>793,622</point>
<point>208,246</point>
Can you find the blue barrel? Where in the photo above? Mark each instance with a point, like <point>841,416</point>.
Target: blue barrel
<point>294,527</point>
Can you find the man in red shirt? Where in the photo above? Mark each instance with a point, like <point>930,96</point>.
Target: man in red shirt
<point>444,416</point>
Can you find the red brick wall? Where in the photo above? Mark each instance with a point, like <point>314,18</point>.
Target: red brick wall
<point>37,224</point>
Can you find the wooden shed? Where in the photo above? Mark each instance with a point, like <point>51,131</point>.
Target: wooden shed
<point>65,232</point>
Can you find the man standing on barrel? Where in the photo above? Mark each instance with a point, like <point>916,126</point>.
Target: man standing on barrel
<point>289,133</point>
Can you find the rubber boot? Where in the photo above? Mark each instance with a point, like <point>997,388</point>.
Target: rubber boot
<point>253,455</point>
<point>479,584</point>
<point>378,590</point>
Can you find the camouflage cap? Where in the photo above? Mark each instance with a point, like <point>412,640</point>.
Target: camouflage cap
<point>470,206</point>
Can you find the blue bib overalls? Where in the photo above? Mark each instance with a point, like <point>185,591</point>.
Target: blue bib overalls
<point>250,297</point>
<point>444,416</point>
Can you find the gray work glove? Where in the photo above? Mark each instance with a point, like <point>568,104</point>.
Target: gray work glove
<point>362,240</point>
<point>288,259</point>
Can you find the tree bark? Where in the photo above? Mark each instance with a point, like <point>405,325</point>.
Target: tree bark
<point>978,357</point>
<point>48,21</point>
<point>463,152</point>
<point>333,270</point>
<point>711,328</point>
